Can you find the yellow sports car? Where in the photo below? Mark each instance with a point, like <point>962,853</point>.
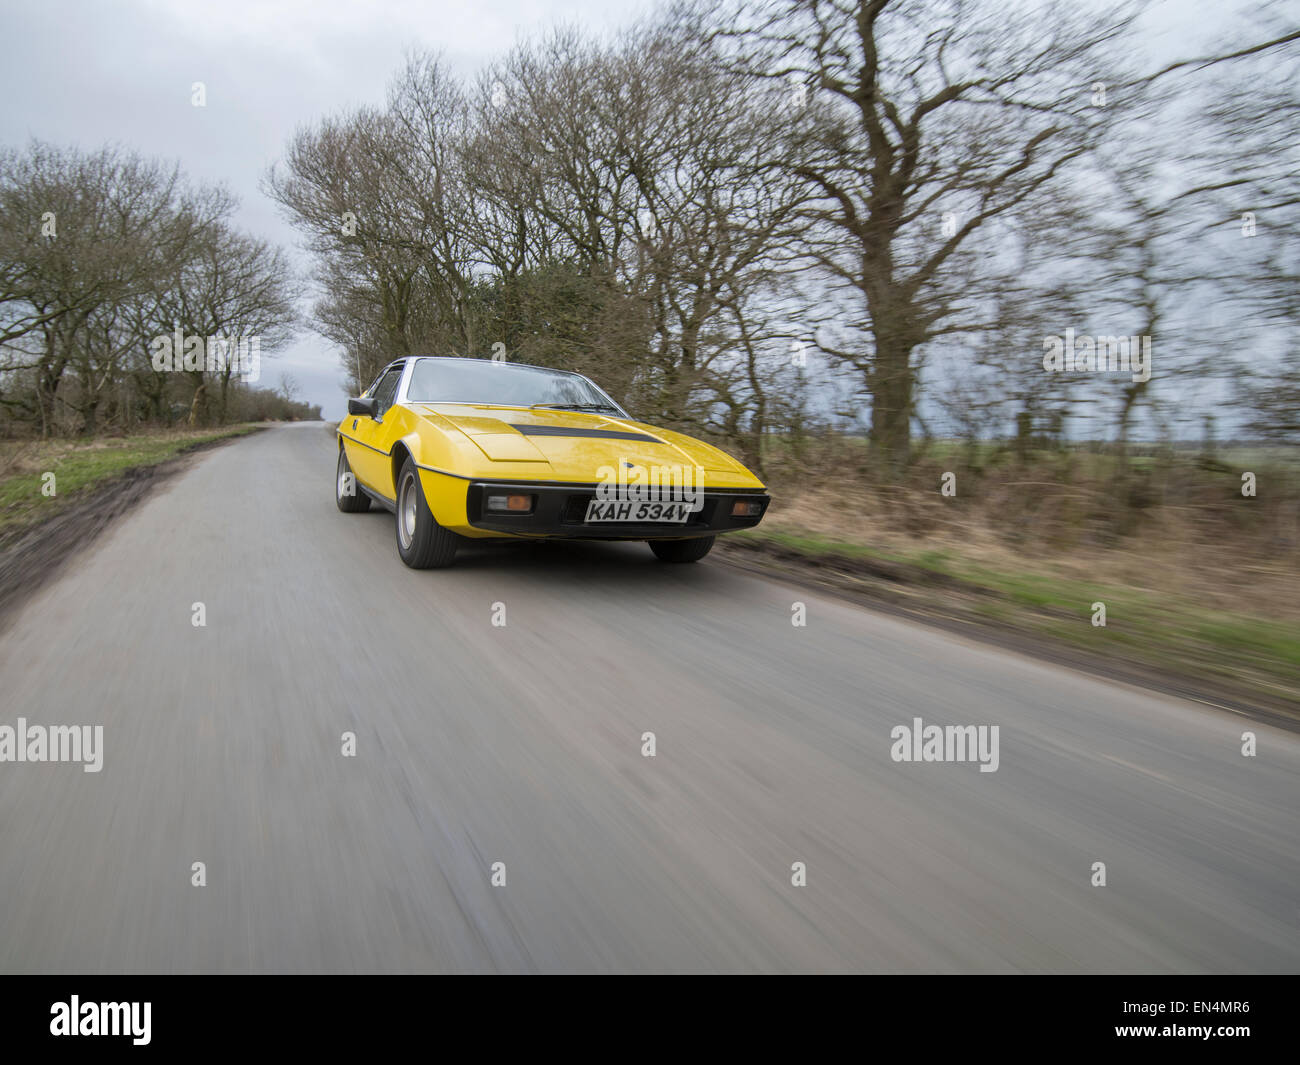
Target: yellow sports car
<point>480,449</point>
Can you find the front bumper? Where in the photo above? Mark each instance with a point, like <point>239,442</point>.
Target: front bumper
<point>560,511</point>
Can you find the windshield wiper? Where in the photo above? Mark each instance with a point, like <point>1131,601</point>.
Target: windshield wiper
<point>576,406</point>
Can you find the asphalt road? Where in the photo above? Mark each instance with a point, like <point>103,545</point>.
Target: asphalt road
<point>522,744</point>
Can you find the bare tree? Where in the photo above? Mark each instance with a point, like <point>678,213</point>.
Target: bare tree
<point>927,123</point>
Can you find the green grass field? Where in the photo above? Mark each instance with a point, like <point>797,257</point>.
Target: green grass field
<point>79,466</point>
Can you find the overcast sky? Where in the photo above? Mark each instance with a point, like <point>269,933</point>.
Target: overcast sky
<point>88,73</point>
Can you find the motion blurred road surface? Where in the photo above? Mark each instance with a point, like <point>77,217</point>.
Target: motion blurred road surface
<point>522,744</point>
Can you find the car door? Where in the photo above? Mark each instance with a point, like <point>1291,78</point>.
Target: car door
<point>367,440</point>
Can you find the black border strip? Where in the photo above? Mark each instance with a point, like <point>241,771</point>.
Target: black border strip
<point>601,434</point>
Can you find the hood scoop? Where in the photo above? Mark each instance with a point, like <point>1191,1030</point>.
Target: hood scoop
<point>602,434</point>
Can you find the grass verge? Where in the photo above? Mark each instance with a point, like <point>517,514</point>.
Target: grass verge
<point>80,467</point>
<point>1171,639</point>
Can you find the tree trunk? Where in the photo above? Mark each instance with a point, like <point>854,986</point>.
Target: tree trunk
<point>892,376</point>
<point>891,404</point>
<point>1024,435</point>
<point>199,405</point>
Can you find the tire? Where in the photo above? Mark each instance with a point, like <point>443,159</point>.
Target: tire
<point>421,541</point>
<point>682,550</point>
<point>358,502</point>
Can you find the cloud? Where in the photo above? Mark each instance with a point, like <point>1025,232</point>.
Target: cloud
<point>88,74</point>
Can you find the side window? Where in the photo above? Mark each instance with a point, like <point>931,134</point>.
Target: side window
<point>386,390</point>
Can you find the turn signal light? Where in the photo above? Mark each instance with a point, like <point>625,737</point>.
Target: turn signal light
<point>745,508</point>
<point>514,504</point>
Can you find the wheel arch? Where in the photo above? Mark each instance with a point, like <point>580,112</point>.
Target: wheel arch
<point>401,452</point>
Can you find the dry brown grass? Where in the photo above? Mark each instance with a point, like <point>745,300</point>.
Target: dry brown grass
<point>1178,531</point>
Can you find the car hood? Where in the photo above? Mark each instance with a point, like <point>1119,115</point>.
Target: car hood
<point>577,445</point>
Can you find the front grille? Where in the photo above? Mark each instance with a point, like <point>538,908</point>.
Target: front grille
<point>575,508</point>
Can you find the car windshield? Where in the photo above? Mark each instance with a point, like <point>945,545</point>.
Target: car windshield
<point>504,384</point>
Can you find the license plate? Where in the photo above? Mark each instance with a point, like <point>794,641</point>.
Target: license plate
<point>603,510</point>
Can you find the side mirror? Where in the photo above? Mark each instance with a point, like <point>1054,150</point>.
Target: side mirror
<point>363,406</point>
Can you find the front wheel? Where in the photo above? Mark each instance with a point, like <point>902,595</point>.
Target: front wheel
<point>347,493</point>
<point>421,541</point>
<point>682,550</point>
